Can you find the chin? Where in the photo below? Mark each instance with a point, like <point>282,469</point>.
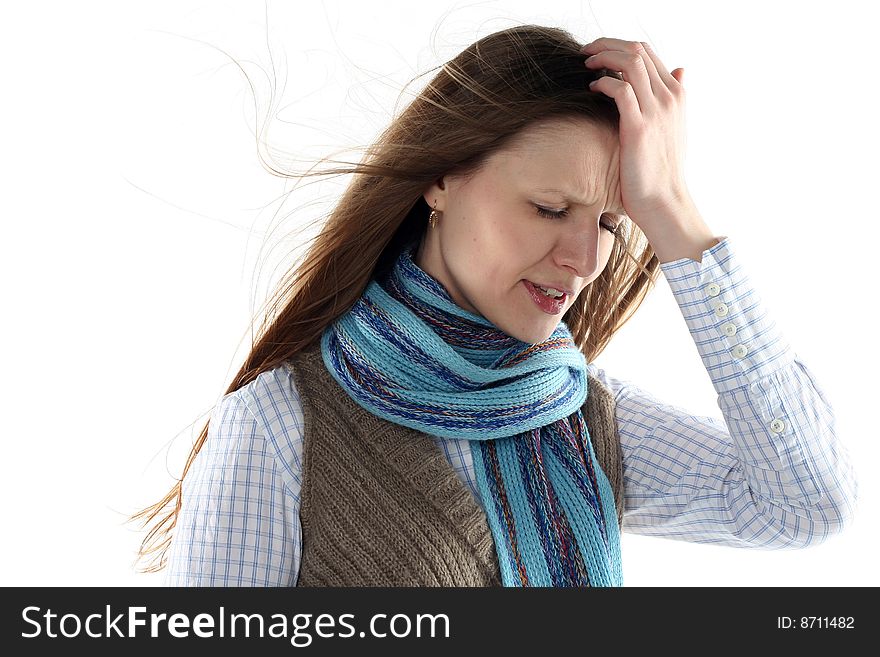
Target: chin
<point>535,336</point>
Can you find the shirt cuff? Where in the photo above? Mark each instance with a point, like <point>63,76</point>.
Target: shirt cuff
<point>737,339</point>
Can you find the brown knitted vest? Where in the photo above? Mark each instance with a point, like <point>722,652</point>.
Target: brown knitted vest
<point>382,506</point>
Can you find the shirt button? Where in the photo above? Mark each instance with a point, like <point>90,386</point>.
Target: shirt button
<point>720,310</point>
<point>712,289</point>
<point>777,425</point>
<point>729,328</point>
<point>740,351</point>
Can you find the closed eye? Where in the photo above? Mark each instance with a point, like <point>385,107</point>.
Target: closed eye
<point>559,214</point>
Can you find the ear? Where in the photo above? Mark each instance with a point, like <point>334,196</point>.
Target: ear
<point>436,193</point>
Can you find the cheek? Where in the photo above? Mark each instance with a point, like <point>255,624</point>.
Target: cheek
<point>492,246</point>
<point>509,247</point>
<point>486,236</point>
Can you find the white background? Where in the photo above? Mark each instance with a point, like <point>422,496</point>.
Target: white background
<point>140,232</point>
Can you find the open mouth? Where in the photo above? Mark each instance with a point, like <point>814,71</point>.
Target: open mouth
<point>550,292</point>
<point>550,301</point>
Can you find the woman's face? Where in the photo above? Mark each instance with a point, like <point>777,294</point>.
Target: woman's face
<point>492,240</point>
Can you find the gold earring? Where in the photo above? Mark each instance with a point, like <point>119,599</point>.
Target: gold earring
<point>432,218</point>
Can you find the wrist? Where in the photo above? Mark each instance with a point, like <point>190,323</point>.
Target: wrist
<point>688,245</point>
<point>680,233</point>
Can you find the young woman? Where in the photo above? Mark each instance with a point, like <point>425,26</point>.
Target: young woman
<point>424,409</point>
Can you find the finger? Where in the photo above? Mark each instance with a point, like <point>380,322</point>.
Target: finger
<point>659,67</point>
<point>657,72</point>
<point>634,71</point>
<point>607,43</point>
<point>622,93</point>
<point>658,84</point>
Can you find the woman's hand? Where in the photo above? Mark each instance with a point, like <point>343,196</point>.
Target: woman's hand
<point>650,101</point>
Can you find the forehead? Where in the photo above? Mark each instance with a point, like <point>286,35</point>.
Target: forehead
<point>572,158</point>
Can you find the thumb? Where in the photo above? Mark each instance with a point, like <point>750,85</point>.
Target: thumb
<point>678,74</point>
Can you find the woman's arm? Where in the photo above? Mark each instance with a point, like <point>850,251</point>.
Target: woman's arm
<point>773,474</point>
<point>239,520</point>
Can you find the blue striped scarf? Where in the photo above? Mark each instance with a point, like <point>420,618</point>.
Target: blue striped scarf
<point>408,353</point>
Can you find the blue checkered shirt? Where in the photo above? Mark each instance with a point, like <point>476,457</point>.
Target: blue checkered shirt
<point>771,475</point>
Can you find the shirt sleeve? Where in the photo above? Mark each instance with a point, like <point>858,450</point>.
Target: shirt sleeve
<point>773,473</point>
<point>239,520</point>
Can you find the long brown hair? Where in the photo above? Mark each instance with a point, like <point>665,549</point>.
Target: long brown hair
<point>474,105</point>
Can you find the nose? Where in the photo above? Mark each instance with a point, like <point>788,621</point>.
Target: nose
<point>577,249</point>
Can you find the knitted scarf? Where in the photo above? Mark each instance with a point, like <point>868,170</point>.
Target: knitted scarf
<point>408,353</point>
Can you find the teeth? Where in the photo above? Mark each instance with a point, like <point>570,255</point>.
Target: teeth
<point>551,292</point>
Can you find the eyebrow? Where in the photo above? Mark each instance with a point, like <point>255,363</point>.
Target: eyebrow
<point>571,199</point>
